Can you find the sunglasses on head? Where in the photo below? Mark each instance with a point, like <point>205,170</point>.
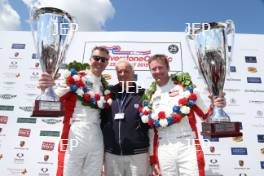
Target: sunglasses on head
<point>100,58</point>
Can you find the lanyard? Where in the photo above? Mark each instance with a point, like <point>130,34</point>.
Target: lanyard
<point>122,102</point>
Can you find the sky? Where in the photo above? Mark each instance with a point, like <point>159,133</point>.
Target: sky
<point>140,15</point>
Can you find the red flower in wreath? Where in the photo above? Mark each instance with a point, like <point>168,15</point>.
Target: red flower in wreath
<point>183,101</point>
<point>161,115</point>
<point>108,96</point>
<point>176,117</point>
<point>140,109</point>
<point>97,97</point>
<point>87,97</point>
<point>80,83</point>
<point>150,122</point>
<point>82,73</point>
<point>107,106</point>
<point>70,80</point>
<point>192,96</point>
<point>146,112</point>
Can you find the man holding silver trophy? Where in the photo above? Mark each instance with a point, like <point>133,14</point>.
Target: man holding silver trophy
<point>81,148</point>
<point>80,98</point>
<point>168,107</point>
<point>211,46</point>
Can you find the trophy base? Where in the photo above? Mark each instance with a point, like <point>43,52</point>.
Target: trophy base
<point>221,129</point>
<point>47,109</point>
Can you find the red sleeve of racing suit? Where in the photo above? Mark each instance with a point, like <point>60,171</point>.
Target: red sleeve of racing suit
<point>153,158</point>
<point>200,113</point>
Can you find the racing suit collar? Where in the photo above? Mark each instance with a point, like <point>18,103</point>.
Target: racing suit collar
<point>166,87</point>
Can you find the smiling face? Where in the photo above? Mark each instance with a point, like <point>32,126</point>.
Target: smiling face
<point>99,60</point>
<point>159,71</point>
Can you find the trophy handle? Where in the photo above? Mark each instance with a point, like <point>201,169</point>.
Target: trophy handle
<point>230,33</point>
<point>32,15</point>
<point>189,38</point>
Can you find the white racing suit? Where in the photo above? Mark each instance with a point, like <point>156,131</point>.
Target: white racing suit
<point>81,146</point>
<point>176,148</point>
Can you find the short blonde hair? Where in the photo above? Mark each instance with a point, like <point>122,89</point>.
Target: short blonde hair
<point>160,57</point>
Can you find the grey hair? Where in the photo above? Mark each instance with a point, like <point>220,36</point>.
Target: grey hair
<point>124,61</point>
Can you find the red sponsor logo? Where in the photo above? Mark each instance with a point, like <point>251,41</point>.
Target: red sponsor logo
<point>174,93</point>
<point>3,119</point>
<point>47,146</point>
<point>24,132</point>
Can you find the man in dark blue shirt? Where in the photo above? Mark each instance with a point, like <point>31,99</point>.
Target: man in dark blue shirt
<point>125,136</point>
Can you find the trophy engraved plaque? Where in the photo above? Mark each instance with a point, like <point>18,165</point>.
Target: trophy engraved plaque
<point>210,52</point>
<point>53,30</point>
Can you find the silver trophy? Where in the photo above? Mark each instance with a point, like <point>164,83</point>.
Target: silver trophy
<point>211,47</point>
<point>53,30</point>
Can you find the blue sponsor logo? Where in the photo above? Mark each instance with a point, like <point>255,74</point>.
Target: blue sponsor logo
<point>34,56</point>
<point>261,138</point>
<point>207,139</point>
<point>262,164</point>
<point>239,151</point>
<point>254,80</point>
<point>232,68</point>
<point>18,46</point>
<point>251,59</point>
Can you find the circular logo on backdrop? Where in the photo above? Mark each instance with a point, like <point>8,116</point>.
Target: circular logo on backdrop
<point>241,163</point>
<point>173,49</point>
<point>24,172</point>
<point>232,101</point>
<point>212,149</point>
<point>22,143</point>
<point>259,113</point>
<point>46,157</point>
<point>36,64</point>
<point>262,151</point>
<point>16,54</point>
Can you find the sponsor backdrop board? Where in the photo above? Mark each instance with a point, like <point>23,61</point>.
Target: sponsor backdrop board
<point>28,145</point>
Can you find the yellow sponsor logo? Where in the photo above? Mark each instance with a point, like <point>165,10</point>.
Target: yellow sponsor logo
<point>238,139</point>
<point>252,69</point>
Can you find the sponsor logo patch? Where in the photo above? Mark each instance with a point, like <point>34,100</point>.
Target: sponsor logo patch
<point>18,46</point>
<point>239,151</point>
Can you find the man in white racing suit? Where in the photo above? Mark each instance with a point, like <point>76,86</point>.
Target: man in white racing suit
<point>81,147</point>
<point>174,145</point>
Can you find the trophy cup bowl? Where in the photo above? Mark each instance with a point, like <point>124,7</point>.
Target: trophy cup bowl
<point>52,31</point>
<point>210,53</point>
